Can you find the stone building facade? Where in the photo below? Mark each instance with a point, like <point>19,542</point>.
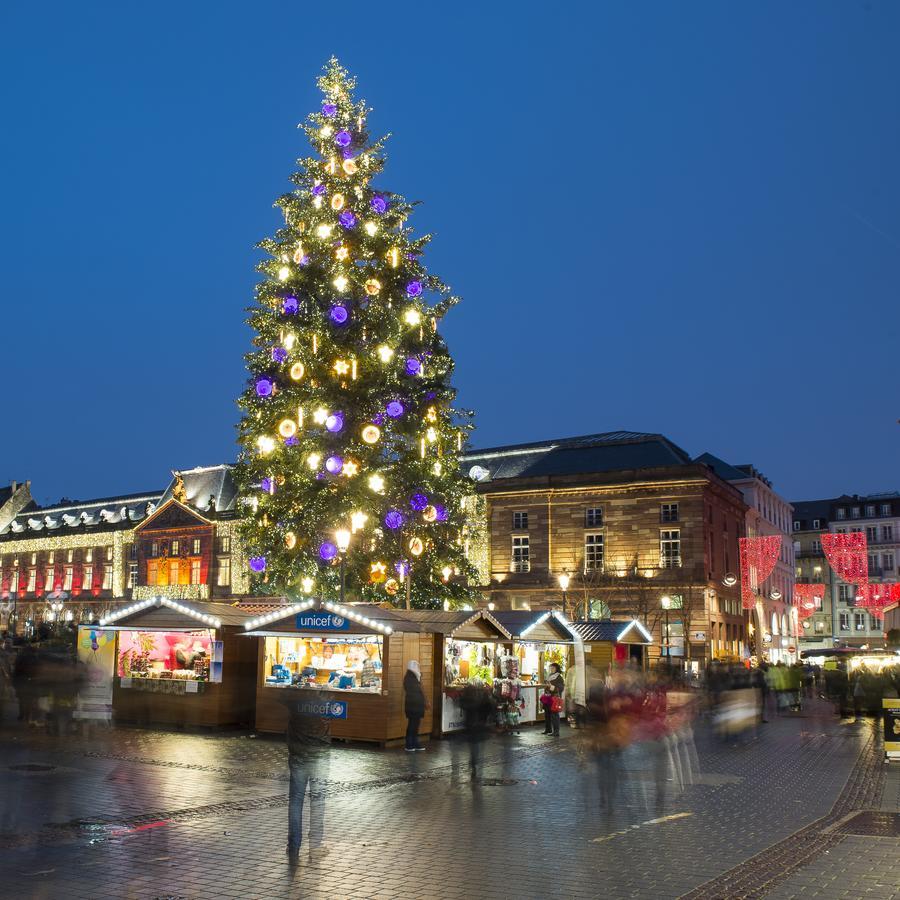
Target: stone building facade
<point>627,519</point>
<point>75,561</point>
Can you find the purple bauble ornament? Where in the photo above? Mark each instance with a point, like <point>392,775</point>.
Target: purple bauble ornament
<point>264,387</point>
<point>418,502</point>
<point>393,519</point>
<point>414,288</point>
<point>329,110</point>
<point>378,419</point>
<point>379,204</point>
<point>279,354</point>
<point>257,563</point>
<point>291,441</point>
<point>267,485</point>
<point>319,190</point>
<point>335,422</point>
<point>394,409</point>
<point>442,514</point>
<point>327,551</point>
<point>413,366</point>
<point>334,464</point>
<point>339,314</point>
<point>347,219</point>
<point>343,138</point>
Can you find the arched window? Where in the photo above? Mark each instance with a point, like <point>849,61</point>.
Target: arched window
<point>774,623</point>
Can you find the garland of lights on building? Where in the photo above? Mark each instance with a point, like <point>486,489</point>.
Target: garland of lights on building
<point>847,555</point>
<point>875,597</point>
<point>758,558</point>
<point>808,598</point>
<point>350,441</point>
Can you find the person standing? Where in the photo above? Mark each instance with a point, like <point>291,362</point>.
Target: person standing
<point>309,746</point>
<point>477,708</point>
<point>557,685</point>
<point>415,704</point>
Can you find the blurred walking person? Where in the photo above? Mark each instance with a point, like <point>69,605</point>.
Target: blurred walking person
<point>309,747</point>
<point>477,707</point>
<point>415,704</point>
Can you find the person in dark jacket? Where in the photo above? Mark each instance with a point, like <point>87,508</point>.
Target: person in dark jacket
<point>557,686</point>
<point>477,707</point>
<point>309,746</point>
<point>414,705</point>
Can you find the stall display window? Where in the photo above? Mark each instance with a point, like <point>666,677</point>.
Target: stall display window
<point>535,659</point>
<point>174,655</point>
<point>465,660</point>
<point>327,664</point>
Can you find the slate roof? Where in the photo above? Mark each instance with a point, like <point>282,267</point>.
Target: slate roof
<point>591,453</point>
<point>601,629</point>
<point>807,510</point>
<point>205,483</point>
<point>105,513</point>
<point>724,470</point>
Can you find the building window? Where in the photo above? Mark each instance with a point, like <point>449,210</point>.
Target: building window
<point>519,603</point>
<point>873,562</point>
<point>817,523</point>
<point>885,509</point>
<point>49,576</point>
<point>887,532</point>
<point>670,548</point>
<point>887,562</point>
<point>107,578</point>
<point>593,552</point>
<point>854,512</point>
<point>859,621</point>
<point>174,549</point>
<point>195,571</point>
<point>152,573</point>
<point>224,578</point>
<point>841,512</point>
<point>844,621</point>
<point>195,547</point>
<point>87,576</point>
<point>871,533</point>
<point>593,517</point>
<point>32,580</point>
<point>89,554</point>
<point>225,544</point>
<point>816,547</point>
<point>668,512</point>
<point>109,553</point>
<point>154,549</point>
<point>70,555</point>
<point>820,626</point>
<point>173,572</point>
<point>68,574</point>
<point>14,581</point>
<point>873,623</point>
<point>870,511</point>
<point>132,575</point>
<point>796,525</point>
<point>520,521</point>
<point>51,556</point>
<point>844,593</point>
<point>132,551</point>
<point>520,557</point>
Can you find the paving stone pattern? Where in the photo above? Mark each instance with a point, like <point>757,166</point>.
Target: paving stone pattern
<point>134,814</point>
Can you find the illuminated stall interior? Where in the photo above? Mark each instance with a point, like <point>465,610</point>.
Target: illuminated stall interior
<point>352,662</point>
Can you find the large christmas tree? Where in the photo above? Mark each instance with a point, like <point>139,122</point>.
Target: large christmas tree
<point>348,423</point>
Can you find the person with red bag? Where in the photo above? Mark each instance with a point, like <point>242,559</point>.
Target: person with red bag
<point>552,699</point>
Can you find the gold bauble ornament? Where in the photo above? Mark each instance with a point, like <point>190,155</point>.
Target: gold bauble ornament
<point>392,586</point>
<point>373,286</point>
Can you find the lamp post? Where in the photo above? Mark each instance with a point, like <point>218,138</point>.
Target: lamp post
<point>342,539</point>
<point>564,586</point>
<point>667,605</point>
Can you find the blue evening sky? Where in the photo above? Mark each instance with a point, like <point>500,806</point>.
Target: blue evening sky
<point>680,217</point>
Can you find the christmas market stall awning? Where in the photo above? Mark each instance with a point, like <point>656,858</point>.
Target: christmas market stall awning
<point>464,625</point>
<point>613,631</point>
<point>159,613</point>
<point>357,617</point>
<point>547,626</point>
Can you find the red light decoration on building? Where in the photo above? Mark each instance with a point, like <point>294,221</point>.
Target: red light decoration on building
<point>758,557</point>
<point>846,554</point>
<point>808,598</point>
<point>875,597</point>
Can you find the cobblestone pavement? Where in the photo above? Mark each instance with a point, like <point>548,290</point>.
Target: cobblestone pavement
<point>132,814</point>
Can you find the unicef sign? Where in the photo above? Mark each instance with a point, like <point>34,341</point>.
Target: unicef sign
<point>321,621</point>
<point>326,709</point>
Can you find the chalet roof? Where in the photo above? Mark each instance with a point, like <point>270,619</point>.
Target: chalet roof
<point>102,514</point>
<point>448,622</point>
<point>606,452</point>
<point>161,612</point>
<point>520,622</point>
<point>612,630</point>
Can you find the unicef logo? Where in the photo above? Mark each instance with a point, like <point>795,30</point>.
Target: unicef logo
<point>337,621</point>
<point>336,708</point>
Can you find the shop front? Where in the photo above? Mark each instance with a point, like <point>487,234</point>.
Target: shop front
<point>472,647</point>
<point>539,639</point>
<point>176,662</point>
<point>609,642</point>
<point>347,661</point>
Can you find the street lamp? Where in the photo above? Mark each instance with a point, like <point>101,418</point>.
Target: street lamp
<point>342,539</point>
<point>667,605</point>
<point>564,586</point>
